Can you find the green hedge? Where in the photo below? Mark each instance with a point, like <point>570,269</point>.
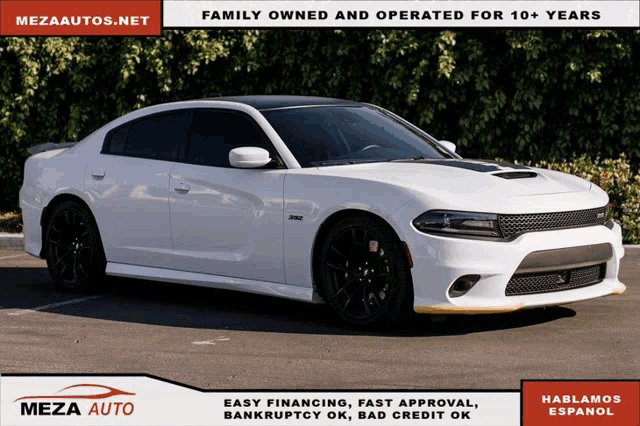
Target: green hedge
<point>517,94</point>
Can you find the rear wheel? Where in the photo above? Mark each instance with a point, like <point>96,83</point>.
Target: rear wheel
<point>75,256</point>
<point>365,274</point>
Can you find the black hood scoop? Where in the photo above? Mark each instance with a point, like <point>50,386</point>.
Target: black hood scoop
<point>516,175</point>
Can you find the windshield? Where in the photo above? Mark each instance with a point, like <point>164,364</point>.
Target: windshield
<point>331,135</point>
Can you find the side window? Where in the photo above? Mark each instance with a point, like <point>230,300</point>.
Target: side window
<point>118,139</point>
<point>161,136</point>
<point>214,133</point>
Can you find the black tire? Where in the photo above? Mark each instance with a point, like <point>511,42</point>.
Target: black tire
<point>365,274</point>
<point>75,256</point>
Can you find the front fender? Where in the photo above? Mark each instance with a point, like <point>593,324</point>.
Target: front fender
<point>310,199</point>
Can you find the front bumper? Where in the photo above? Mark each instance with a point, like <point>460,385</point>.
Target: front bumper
<point>439,261</point>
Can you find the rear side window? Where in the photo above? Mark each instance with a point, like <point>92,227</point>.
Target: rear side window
<point>118,140</point>
<point>161,136</point>
<point>214,133</point>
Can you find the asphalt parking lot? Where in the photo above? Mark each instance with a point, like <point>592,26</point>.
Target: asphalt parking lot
<point>218,339</point>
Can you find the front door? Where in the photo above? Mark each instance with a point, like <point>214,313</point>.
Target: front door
<point>226,221</point>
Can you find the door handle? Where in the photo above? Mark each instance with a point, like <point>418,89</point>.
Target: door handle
<point>98,174</point>
<point>182,188</point>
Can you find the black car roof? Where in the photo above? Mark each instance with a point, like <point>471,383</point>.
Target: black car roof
<point>263,102</point>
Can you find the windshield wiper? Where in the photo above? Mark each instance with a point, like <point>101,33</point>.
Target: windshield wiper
<point>418,157</point>
<point>345,162</point>
<point>330,163</point>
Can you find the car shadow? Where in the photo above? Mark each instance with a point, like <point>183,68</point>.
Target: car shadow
<point>175,305</point>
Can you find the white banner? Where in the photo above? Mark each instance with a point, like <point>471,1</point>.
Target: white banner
<point>139,400</point>
<point>445,14</point>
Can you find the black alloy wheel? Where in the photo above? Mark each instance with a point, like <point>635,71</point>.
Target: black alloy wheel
<point>75,256</point>
<point>365,273</point>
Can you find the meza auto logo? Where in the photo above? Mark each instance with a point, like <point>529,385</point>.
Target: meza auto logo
<point>57,404</point>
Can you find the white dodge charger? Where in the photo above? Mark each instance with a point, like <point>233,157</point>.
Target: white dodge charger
<point>319,200</point>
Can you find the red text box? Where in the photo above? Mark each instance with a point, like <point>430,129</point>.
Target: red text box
<point>72,17</point>
<point>581,403</point>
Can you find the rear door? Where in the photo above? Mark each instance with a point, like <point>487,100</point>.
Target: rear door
<point>227,221</point>
<point>129,184</point>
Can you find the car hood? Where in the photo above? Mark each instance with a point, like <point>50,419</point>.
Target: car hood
<point>487,185</point>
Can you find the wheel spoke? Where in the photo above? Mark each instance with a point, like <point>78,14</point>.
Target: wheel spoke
<point>75,267</point>
<point>61,245</point>
<point>380,256</point>
<point>64,267</point>
<point>339,268</point>
<point>341,289</point>
<point>344,256</point>
<point>381,262</point>
<point>376,299</point>
<point>365,302</point>
<point>55,229</point>
<point>350,298</point>
<point>61,257</point>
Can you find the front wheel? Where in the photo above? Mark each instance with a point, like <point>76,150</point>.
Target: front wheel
<point>364,273</point>
<point>75,257</point>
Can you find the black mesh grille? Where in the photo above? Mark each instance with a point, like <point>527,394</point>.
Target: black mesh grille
<point>514,224</point>
<point>516,175</point>
<point>545,282</point>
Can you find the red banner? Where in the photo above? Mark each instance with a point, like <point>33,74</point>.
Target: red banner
<point>581,403</point>
<point>75,17</point>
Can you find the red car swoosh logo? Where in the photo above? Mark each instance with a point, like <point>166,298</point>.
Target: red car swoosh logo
<point>111,392</point>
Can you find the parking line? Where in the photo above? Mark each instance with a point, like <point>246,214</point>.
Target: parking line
<point>17,255</point>
<point>55,305</point>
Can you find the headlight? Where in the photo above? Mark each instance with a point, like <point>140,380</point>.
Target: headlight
<point>458,223</point>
